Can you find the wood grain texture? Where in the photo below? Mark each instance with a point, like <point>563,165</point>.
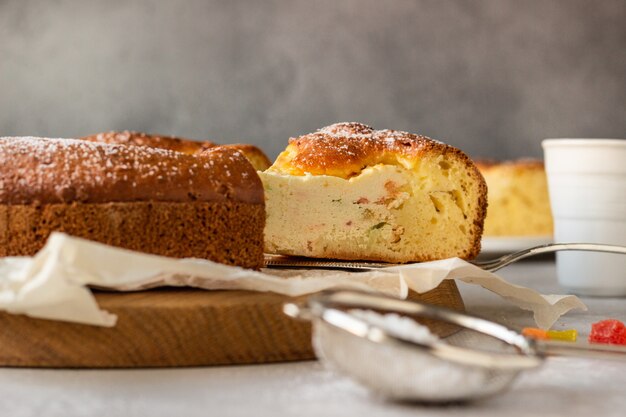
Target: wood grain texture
<point>175,327</point>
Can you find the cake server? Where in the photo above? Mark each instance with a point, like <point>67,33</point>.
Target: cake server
<point>280,261</point>
<point>480,360</point>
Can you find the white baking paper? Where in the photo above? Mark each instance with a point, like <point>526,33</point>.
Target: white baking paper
<point>546,308</point>
<point>54,284</point>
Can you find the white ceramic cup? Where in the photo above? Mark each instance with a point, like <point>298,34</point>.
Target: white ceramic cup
<point>587,185</point>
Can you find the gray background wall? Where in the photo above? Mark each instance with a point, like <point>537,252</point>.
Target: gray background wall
<point>493,77</point>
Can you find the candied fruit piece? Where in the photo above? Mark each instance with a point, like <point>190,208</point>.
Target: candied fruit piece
<point>568,335</point>
<point>535,333</point>
<point>608,331</point>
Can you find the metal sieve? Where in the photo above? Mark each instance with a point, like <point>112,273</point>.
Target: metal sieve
<point>483,358</point>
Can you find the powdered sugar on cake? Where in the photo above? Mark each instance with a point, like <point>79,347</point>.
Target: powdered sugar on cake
<point>66,170</point>
<point>344,149</point>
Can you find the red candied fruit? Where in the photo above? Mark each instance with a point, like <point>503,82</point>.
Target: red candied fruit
<point>608,331</point>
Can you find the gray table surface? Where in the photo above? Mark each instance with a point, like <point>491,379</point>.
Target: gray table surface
<point>572,387</point>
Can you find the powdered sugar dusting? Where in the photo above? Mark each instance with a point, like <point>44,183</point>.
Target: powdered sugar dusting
<point>398,325</point>
<point>65,170</point>
<point>343,149</point>
<point>155,141</point>
<point>350,129</point>
<point>398,372</point>
<point>355,130</point>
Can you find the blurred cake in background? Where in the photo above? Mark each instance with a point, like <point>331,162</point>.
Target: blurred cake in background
<point>518,202</point>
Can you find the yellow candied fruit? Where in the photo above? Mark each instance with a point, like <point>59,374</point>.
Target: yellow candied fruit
<point>568,335</point>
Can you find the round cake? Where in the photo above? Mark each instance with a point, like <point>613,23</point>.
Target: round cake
<point>519,204</point>
<point>208,205</point>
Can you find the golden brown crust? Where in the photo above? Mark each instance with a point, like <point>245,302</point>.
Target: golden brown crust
<point>226,232</point>
<point>479,218</point>
<point>40,170</point>
<point>257,158</point>
<point>344,149</point>
<point>170,143</point>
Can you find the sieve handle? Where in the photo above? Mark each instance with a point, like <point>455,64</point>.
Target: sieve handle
<point>587,350</point>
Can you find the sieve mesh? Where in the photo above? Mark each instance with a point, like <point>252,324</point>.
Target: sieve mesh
<point>409,374</point>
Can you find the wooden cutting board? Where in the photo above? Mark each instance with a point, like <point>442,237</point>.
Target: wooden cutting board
<point>176,327</point>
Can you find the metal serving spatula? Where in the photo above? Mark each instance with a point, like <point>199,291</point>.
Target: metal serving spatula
<point>280,261</point>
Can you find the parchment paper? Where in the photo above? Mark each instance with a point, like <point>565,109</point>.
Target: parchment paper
<point>55,283</point>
